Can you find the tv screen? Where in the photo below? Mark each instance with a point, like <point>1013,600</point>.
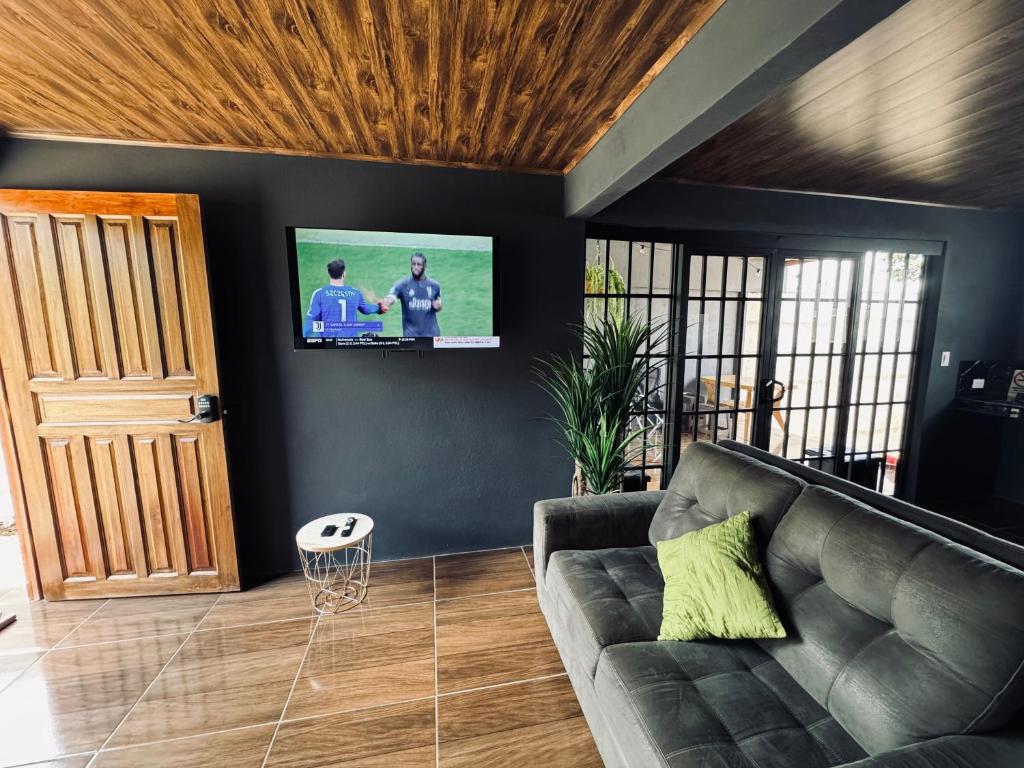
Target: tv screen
<point>392,290</point>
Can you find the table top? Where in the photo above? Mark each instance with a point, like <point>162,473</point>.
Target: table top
<point>309,538</point>
<point>729,380</point>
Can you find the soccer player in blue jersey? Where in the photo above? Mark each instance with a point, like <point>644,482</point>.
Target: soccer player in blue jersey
<point>334,306</point>
<point>420,297</point>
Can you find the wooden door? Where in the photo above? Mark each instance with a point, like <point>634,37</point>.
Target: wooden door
<point>106,342</point>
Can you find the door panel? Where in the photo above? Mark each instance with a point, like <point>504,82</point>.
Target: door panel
<point>721,345</point>
<point>815,293</point>
<point>109,293</point>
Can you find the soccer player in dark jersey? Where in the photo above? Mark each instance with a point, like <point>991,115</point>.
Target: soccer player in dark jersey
<point>334,306</point>
<point>420,297</point>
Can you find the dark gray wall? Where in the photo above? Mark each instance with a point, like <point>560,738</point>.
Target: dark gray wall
<point>447,452</point>
<point>979,307</point>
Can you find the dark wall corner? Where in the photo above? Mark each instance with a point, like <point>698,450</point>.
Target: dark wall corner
<point>447,453</point>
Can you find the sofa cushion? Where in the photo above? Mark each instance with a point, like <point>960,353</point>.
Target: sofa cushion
<point>711,484</point>
<point>603,597</point>
<point>900,634</point>
<point>714,704</point>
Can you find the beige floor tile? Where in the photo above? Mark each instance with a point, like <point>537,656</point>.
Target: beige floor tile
<point>400,582</point>
<point>535,723</point>
<point>77,761</point>
<point>397,736</point>
<point>365,658</point>
<point>493,639</point>
<point>364,696</point>
<point>244,748</point>
<point>221,679</point>
<point>482,572</point>
<point>563,744</point>
<point>13,664</point>
<point>72,699</point>
<point>40,625</point>
<point>282,598</point>
<point>131,617</point>
<point>506,707</point>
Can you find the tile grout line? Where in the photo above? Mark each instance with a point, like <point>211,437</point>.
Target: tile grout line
<point>152,683</point>
<point>523,550</point>
<point>486,594</point>
<point>108,750</point>
<point>286,720</point>
<point>505,684</point>
<point>155,636</point>
<point>295,681</point>
<point>200,631</point>
<point>437,720</point>
<point>52,760</point>
<point>46,653</point>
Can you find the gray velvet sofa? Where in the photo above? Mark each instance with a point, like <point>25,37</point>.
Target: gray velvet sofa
<point>906,629</point>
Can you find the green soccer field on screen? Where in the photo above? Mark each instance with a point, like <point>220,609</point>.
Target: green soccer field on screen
<point>375,261</point>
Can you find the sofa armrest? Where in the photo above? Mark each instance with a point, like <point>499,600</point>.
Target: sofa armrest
<point>591,522</point>
<point>995,751</point>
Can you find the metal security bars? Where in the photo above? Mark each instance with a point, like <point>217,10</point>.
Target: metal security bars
<point>636,278</point>
<point>847,378</point>
<point>721,346</point>
<point>812,326</point>
<point>804,346</point>
<point>884,361</point>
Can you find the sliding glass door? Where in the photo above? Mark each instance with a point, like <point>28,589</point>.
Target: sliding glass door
<point>719,354</point>
<point>807,351</point>
<point>809,359</point>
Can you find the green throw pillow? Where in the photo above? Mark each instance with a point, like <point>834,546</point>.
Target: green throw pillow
<point>715,586</point>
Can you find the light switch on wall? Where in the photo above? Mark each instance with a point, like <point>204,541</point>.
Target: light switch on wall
<point>945,359</point>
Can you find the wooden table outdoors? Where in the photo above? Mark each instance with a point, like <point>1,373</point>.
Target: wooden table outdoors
<point>711,384</point>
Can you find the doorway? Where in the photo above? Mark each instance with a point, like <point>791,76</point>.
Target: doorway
<point>806,347</point>
<point>12,570</point>
<point>808,353</point>
<point>107,355</point>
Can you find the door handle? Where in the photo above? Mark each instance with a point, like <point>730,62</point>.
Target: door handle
<point>208,407</point>
<point>769,390</point>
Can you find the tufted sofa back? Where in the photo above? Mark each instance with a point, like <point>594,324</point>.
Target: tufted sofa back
<point>900,634</point>
<point>712,483</point>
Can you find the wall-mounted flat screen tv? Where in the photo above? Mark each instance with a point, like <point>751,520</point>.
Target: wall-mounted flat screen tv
<point>354,289</point>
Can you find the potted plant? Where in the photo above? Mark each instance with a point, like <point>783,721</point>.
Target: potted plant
<point>596,400</point>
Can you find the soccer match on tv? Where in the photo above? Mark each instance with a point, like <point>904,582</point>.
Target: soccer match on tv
<point>393,290</point>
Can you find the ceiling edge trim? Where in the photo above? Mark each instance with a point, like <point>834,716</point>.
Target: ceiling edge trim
<point>42,136</point>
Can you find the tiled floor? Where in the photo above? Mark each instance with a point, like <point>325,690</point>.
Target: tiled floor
<point>447,663</point>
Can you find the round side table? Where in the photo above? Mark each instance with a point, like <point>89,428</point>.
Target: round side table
<point>337,568</point>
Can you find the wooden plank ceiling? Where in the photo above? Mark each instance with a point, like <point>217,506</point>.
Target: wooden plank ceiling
<point>927,106</point>
<point>525,84</point>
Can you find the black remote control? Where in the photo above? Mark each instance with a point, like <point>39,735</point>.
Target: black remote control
<point>350,525</point>
<point>329,530</point>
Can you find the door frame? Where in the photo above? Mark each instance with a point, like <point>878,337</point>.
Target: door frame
<point>688,241</point>
<point>33,583</point>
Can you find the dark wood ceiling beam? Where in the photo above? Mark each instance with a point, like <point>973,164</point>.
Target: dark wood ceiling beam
<point>741,56</point>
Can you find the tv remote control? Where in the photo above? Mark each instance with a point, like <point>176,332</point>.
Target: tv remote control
<point>350,525</point>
